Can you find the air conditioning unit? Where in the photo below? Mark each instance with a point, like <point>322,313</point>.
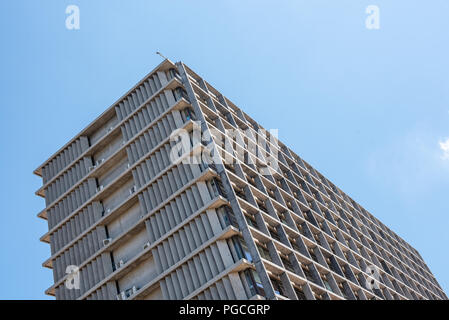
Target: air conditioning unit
<point>132,190</point>
<point>108,210</point>
<point>134,289</point>
<point>91,168</point>
<point>106,241</point>
<point>120,264</point>
<point>129,165</point>
<point>142,216</point>
<point>99,161</point>
<point>100,188</point>
<point>119,297</point>
<point>123,143</point>
<point>123,295</point>
<point>146,245</point>
<point>110,129</point>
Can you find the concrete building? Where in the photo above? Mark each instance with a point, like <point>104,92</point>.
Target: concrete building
<point>257,222</point>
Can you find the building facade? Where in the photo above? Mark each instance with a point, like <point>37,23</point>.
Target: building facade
<point>175,193</point>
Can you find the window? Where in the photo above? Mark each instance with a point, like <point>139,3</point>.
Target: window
<point>254,283</point>
<point>286,262</point>
<point>282,217</point>
<point>271,193</point>
<point>230,167</point>
<point>308,274</point>
<point>332,264</point>
<point>312,254</point>
<point>299,293</point>
<point>274,233</point>
<point>217,187</point>
<point>278,287</point>
<point>385,267</point>
<point>326,283</point>
<point>294,245</point>
<point>179,93</point>
<point>251,220</point>
<point>317,238</point>
<point>280,184</point>
<point>242,249</point>
<point>290,205</point>
<point>309,217</point>
<point>188,114</point>
<point>262,206</point>
<point>239,192</point>
<point>172,72</point>
<point>343,291</point>
<point>264,253</point>
<point>252,181</point>
<point>228,217</point>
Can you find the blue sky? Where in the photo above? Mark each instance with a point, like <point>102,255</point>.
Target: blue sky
<point>367,108</point>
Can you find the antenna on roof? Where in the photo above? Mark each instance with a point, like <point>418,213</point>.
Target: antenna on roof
<point>164,57</point>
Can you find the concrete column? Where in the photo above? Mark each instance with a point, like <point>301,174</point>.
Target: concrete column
<point>237,286</point>
<point>184,241</point>
<point>182,282</point>
<point>178,245</point>
<point>162,78</point>
<point>95,271</point>
<point>202,278</point>
<point>84,143</point>
<point>206,267</point>
<point>111,289</point>
<point>191,275</point>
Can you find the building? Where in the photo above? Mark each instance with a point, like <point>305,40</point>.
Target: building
<point>127,220</point>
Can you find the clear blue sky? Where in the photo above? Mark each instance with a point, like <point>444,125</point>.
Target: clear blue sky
<point>367,108</point>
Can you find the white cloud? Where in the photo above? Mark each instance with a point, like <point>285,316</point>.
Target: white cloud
<point>410,164</point>
<point>444,146</point>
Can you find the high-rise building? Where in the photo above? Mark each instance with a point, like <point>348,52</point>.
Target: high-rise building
<point>175,193</point>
